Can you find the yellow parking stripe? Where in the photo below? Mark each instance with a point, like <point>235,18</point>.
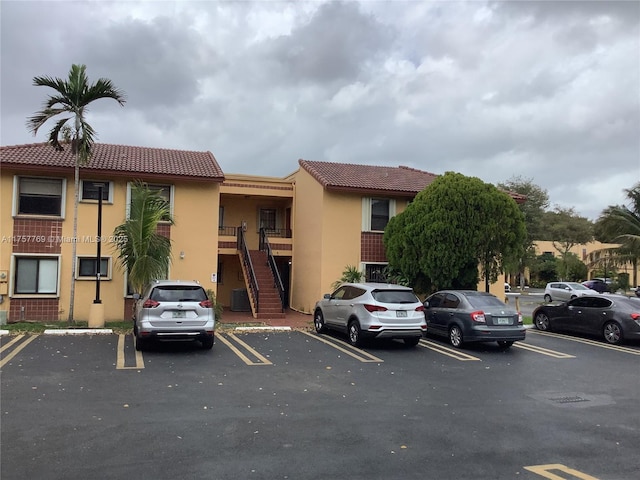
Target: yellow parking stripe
<point>543,351</point>
<point>543,471</point>
<point>617,348</point>
<point>449,352</point>
<point>236,350</point>
<point>356,353</point>
<point>120,360</point>
<point>16,350</point>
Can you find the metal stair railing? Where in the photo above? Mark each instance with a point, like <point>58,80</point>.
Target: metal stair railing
<point>248,265</point>
<point>265,246</point>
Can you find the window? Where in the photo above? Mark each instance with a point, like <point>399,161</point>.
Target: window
<point>166,192</point>
<point>89,190</point>
<point>87,268</point>
<point>376,213</point>
<point>40,196</point>
<point>375,272</point>
<point>37,275</point>
<point>268,218</point>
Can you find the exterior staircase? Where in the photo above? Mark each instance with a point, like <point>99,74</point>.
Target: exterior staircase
<point>270,305</point>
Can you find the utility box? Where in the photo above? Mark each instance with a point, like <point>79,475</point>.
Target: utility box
<point>240,300</point>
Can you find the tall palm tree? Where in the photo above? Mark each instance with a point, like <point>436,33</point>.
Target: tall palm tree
<point>72,97</point>
<point>621,224</point>
<point>142,251</point>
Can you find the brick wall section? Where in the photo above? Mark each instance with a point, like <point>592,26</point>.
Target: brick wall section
<point>280,246</point>
<point>36,235</point>
<point>371,247</point>
<point>35,309</point>
<point>227,244</point>
<point>164,229</point>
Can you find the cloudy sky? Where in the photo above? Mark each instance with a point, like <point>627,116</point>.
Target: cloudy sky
<point>548,91</point>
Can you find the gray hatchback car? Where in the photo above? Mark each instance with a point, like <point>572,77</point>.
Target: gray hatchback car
<point>174,310</point>
<point>472,316</point>
<point>372,310</point>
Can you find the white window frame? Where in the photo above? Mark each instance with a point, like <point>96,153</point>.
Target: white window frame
<point>14,267</point>
<point>171,196</point>
<point>126,294</point>
<point>363,268</point>
<point>109,274</point>
<point>367,210</point>
<point>16,197</point>
<point>109,199</point>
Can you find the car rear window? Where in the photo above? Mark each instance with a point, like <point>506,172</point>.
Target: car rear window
<point>394,296</point>
<point>168,293</point>
<point>480,301</point>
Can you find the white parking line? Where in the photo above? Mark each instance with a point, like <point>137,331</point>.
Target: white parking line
<point>344,347</point>
<point>449,352</point>
<point>617,348</point>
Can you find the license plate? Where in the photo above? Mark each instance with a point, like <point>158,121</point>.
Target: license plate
<point>504,321</point>
<point>401,313</point>
<point>179,314</point>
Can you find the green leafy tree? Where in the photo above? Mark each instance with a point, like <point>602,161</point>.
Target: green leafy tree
<point>544,269</point>
<point>142,251</point>
<point>567,229</point>
<point>451,227</point>
<point>621,224</point>
<point>575,268</point>
<point>70,101</point>
<point>351,274</point>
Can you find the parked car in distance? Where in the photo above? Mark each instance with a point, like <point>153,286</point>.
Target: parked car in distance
<point>471,316</point>
<point>563,291</point>
<point>615,318</point>
<point>371,310</point>
<point>174,310</point>
<point>596,284</point>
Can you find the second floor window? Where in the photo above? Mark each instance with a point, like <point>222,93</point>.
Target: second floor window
<point>89,190</point>
<point>40,196</point>
<point>268,218</point>
<point>379,214</point>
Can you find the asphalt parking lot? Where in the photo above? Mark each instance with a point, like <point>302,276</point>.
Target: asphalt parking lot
<point>297,405</point>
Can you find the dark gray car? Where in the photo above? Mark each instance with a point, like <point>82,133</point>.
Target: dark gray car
<point>471,316</point>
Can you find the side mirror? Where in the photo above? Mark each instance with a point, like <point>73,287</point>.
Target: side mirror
<point>136,296</point>
<point>327,296</point>
<point>426,304</point>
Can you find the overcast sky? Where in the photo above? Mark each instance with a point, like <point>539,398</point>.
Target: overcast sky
<point>548,91</point>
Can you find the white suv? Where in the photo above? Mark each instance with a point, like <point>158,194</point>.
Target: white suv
<point>565,291</point>
<point>174,310</point>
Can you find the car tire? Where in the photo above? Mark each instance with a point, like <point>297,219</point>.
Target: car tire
<point>207,342</point>
<point>542,322</point>
<point>505,343</point>
<point>318,322</point>
<point>547,298</point>
<point>411,342</point>
<point>455,336</point>
<point>354,333</point>
<point>612,333</point>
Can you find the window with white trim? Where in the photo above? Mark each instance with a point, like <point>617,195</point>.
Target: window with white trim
<point>376,213</point>
<point>87,268</point>
<point>39,196</point>
<point>89,190</point>
<point>36,275</point>
<point>165,191</point>
<point>375,272</point>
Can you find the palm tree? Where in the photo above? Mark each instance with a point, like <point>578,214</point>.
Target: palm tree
<point>621,224</point>
<point>142,251</point>
<point>72,97</point>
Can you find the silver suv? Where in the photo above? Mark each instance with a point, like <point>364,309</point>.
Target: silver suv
<point>372,310</point>
<point>565,291</point>
<point>174,310</point>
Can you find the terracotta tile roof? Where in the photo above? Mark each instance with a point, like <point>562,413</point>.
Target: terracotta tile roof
<point>401,180</point>
<point>117,160</point>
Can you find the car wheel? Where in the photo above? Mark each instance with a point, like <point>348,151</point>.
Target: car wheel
<point>207,342</point>
<point>612,333</point>
<point>411,342</point>
<point>547,298</point>
<point>455,336</point>
<point>318,322</point>
<point>355,337</point>
<point>505,343</point>
<point>542,322</point>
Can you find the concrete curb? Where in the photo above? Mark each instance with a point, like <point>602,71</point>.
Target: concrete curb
<point>262,329</point>
<point>79,331</point>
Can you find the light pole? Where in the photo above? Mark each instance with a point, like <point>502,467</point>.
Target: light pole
<point>96,312</point>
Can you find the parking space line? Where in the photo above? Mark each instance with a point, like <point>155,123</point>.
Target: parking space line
<point>120,357</point>
<point>236,350</point>
<point>617,348</point>
<point>449,352</point>
<point>354,352</point>
<point>17,349</point>
<point>543,351</point>
<point>543,471</point>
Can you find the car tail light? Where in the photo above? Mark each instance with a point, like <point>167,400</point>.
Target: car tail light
<point>150,304</point>
<point>478,316</point>
<point>636,316</point>
<point>375,327</point>
<point>374,308</point>
<point>206,304</point>
<point>420,308</point>
<point>519,318</point>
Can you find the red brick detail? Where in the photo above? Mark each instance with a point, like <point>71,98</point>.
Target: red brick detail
<point>37,235</point>
<point>128,309</point>
<point>280,246</point>
<point>35,309</point>
<point>227,244</point>
<point>371,247</point>
<point>164,229</point>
